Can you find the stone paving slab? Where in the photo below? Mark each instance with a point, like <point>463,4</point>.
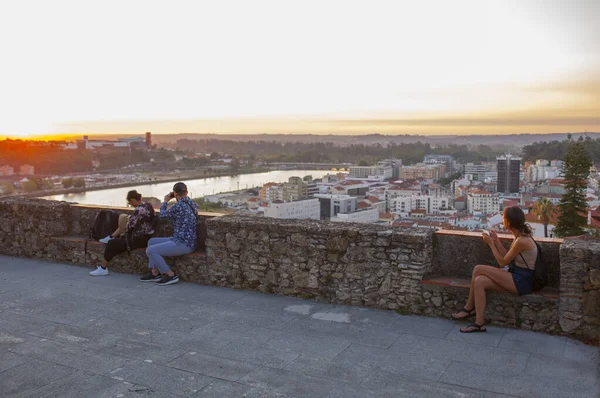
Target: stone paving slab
<point>64,333</point>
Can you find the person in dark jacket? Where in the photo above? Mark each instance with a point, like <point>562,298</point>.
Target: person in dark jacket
<point>138,231</point>
<point>184,215</point>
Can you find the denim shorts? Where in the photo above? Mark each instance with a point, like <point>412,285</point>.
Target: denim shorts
<point>523,279</point>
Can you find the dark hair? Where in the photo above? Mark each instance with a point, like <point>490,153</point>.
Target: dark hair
<point>133,195</point>
<point>516,219</point>
<point>180,188</point>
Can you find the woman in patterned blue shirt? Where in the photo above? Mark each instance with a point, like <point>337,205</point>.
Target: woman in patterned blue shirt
<point>184,215</point>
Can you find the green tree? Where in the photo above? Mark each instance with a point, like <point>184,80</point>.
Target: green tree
<point>363,163</point>
<point>235,165</point>
<point>576,169</point>
<point>543,210</point>
<point>78,183</point>
<point>30,186</point>
<point>7,188</point>
<point>67,182</point>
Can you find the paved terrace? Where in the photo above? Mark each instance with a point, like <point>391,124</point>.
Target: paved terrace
<point>66,334</point>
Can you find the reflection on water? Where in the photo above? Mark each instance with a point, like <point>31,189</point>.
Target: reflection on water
<point>197,188</point>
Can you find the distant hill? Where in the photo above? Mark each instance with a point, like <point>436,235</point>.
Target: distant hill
<point>509,140</point>
<point>514,140</point>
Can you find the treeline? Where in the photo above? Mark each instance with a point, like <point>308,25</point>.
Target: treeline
<point>51,158</point>
<point>556,149</point>
<point>321,152</point>
<point>46,159</point>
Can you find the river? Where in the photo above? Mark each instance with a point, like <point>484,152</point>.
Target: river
<point>197,187</point>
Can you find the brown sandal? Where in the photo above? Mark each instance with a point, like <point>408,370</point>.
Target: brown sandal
<point>466,311</point>
<point>475,328</point>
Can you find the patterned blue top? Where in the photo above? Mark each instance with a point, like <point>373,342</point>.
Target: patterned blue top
<point>184,221</point>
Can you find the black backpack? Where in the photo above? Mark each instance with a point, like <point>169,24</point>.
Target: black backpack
<point>105,223</point>
<point>540,273</point>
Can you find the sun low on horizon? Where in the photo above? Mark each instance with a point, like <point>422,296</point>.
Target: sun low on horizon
<point>326,67</point>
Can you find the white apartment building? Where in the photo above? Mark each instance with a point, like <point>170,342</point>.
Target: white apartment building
<point>542,172</point>
<point>373,173</point>
<point>273,192</point>
<point>362,216</point>
<point>300,209</point>
<point>482,201</point>
<point>431,204</point>
<point>475,171</point>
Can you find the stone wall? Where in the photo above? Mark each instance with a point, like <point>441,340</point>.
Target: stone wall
<point>532,312</point>
<point>354,264</point>
<point>27,226</point>
<point>580,288</point>
<point>456,254</point>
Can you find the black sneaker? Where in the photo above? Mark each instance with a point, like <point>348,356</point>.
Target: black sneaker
<point>167,280</point>
<point>150,278</point>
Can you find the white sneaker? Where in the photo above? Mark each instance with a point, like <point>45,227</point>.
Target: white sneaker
<point>105,240</point>
<point>99,272</point>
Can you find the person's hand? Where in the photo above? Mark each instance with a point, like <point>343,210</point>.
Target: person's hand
<point>494,235</point>
<point>486,238</point>
<point>168,197</point>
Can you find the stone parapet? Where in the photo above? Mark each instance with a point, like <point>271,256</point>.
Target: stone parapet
<point>353,264</point>
<point>401,269</point>
<point>580,288</point>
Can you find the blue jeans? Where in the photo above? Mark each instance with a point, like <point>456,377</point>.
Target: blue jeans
<point>159,247</point>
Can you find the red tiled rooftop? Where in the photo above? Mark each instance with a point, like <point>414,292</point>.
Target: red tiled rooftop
<point>363,205</point>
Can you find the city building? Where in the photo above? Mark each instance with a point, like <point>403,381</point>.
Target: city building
<point>301,209</point>
<point>370,173</point>
<point>331,205</point>
<point>6,171</point>
<point>509,169</point>
<point>27,170</point>
<point>295,189</point>
<point>475,171</point>
<point>121,143</point>
<point>362,216</point>
<point>448,161</point>
<point>482,201</point>
<point>403,205</point>
<point>377,203</point>
<point>271,191</point>
<point>433,171</point>
<point>355,188</point>
<point>395,164</point>
<point>541,171</point>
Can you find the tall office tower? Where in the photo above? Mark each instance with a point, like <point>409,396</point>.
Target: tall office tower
<point>149,140</point>
<point>509,168</point>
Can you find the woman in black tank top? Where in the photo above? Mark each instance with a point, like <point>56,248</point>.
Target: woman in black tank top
<point>489,278</point>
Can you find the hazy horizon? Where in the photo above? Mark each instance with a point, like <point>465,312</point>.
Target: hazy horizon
<point>337,67</point>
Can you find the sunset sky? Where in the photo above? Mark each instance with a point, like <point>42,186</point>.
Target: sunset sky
<point>327,66</point>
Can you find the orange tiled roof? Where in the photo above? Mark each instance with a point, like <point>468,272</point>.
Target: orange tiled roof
<point>363,205</point>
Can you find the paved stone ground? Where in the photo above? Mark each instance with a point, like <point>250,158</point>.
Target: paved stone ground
<point>66,334</point>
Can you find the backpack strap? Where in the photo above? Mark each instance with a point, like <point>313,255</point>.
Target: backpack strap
<point>192,208</point>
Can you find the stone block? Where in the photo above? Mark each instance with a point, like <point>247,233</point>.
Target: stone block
<point>212,366</point>
<point>30,376</point>
<point>163,378</point>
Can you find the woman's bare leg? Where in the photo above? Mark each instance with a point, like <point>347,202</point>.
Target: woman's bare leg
<point>494,275</point>
<point>491,279</point>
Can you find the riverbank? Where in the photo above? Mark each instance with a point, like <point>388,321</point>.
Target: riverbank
<point>160,179</point>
